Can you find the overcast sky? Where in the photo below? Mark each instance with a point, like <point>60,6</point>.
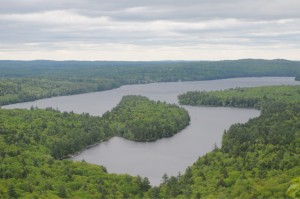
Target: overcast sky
<point>149,29</point>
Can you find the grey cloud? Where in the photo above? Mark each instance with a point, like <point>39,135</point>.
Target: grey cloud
<point>59,24</point>
<point>162,9</point>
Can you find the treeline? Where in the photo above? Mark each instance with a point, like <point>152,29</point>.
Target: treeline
<point>155,70</point>
<point>33,141</point>
<point>22,81</point>
<point>30,89</point>
<point>259,159</point>
<point>242,97</point>
<point>137,118</point>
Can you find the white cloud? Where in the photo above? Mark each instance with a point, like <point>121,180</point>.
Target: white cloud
<point>89,29</point>
<point>59,17</point>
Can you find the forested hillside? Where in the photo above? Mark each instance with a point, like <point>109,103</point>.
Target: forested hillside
<point>33,141</point>
<point>30,80</point>
<point>259,159</point>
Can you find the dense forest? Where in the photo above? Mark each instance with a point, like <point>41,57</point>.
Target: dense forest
<point>259,159</point>
<point>137,118</point>
<point>22,81</point>
<point>242,97</point>
<point>33,141</point>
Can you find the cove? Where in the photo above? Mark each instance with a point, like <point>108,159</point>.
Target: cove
<point>168,155</point>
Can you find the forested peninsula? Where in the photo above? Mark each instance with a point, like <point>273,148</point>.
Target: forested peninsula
<point>259,159</point>
<point>22,81</point>
<point>137,118</point>
<point>32,142</point>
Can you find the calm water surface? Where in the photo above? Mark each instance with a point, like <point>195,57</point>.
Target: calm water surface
<point>168,155</point>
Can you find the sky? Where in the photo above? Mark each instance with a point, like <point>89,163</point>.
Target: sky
<point>149,30</point>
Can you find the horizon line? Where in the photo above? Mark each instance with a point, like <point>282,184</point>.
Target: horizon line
<point>179,60</point>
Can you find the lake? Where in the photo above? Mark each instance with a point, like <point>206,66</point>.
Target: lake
<point>168,155</point>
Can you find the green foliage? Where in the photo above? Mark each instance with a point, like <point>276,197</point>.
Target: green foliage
<point>22,81</point>
<point>137,118</point>
<point>257,159</point>
<point>294,189</point>
<point>242,97</point>
<point>29,89</point>
<point>60,133</point>
<point>62,179</point>
<point>33,141</point>
<point>27,171</point>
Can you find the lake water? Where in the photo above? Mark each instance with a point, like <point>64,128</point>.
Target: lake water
<point>168,155</point>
